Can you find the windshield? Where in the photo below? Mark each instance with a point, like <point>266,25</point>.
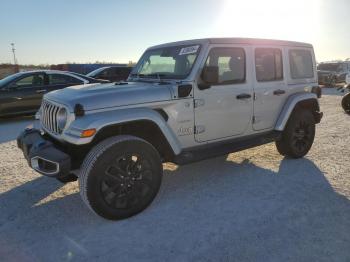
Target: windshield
<point>96,71</point>
<point>334,67</point>
<point>168,62</point>
<point>8,79</point>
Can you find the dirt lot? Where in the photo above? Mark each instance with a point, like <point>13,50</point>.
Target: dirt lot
<point>251,206</point>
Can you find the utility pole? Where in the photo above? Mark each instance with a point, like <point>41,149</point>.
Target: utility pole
<point>15,65</point>
<point>14,53</point>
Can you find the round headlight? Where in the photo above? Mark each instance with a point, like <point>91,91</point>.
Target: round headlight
<point>62,117</point>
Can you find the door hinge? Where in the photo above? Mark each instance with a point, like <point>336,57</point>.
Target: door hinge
<point>199,129</point>
<point>198,103</point>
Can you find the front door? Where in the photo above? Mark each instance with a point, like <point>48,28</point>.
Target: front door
<point>225,109</point>
<point>23,95</point>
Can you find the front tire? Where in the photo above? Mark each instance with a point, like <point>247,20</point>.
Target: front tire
<point>120,177</point>
<point>299,134</point>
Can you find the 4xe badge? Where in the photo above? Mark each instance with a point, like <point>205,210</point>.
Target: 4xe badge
<point>185,131</point>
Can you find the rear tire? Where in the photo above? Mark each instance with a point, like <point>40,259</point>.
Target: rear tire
<point>120,177</point>
<point>298,136</point>
<point>345,103</point>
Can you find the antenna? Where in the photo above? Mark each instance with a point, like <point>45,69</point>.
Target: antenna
<point>14,54</point>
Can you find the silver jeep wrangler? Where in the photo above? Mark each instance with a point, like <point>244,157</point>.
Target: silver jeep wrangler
<point>183,102</point>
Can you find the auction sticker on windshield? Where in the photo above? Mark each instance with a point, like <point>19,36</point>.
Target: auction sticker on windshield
<point>189,50</point>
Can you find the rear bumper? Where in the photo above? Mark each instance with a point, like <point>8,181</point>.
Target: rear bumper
<point>42,155</point>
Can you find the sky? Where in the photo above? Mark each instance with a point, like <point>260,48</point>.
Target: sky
<point>81,31</point>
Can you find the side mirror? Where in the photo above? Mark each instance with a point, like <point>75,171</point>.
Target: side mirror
<point>210,76</point>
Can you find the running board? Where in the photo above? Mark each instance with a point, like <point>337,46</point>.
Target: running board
<point>203,152</point>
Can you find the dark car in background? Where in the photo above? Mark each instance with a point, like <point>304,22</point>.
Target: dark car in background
<point>83,68</point>
<point>21,93</point>
<point>111,73</point>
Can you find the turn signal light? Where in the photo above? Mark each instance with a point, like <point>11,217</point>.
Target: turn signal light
<point>88,133</point>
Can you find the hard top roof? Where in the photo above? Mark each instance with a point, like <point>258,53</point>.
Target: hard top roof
<point>236,40</point>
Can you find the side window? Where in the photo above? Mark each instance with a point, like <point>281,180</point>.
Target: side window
<point>301,65</point>
<point>57,79</point>
<point>231,64</point>
<point>103,73</point>
<point>110,72</point>
<point>117,71</point>
<point>29,81</point>
<point>268,64</point>
<point>126,71</point>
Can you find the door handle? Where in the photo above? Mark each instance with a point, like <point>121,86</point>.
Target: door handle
<point>243,96</point>
<point>279,92</point>
<point>41,91</point>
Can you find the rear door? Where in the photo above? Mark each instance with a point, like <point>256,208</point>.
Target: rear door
<point>270,87</point>
<point>225,109</point>
<point>23,95</point>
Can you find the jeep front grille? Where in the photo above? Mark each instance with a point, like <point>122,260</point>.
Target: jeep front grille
<point>49,113</point>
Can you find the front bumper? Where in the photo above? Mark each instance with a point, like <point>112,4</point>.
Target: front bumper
<point>42,155</point>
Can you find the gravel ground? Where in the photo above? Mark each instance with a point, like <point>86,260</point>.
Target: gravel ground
<point>250,206</point>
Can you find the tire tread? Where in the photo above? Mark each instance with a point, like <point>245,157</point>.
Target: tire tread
<point>91,159</point>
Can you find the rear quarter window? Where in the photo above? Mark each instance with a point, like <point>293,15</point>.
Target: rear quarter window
<point>301,64</point>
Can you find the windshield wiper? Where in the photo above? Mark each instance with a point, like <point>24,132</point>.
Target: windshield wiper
<point>149,75</point>
<point>156,75</point>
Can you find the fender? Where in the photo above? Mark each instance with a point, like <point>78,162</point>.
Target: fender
<point>104,119</point>
<point>289,106</point>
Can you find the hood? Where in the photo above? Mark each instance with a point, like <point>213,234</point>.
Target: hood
<point>97,96</point>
